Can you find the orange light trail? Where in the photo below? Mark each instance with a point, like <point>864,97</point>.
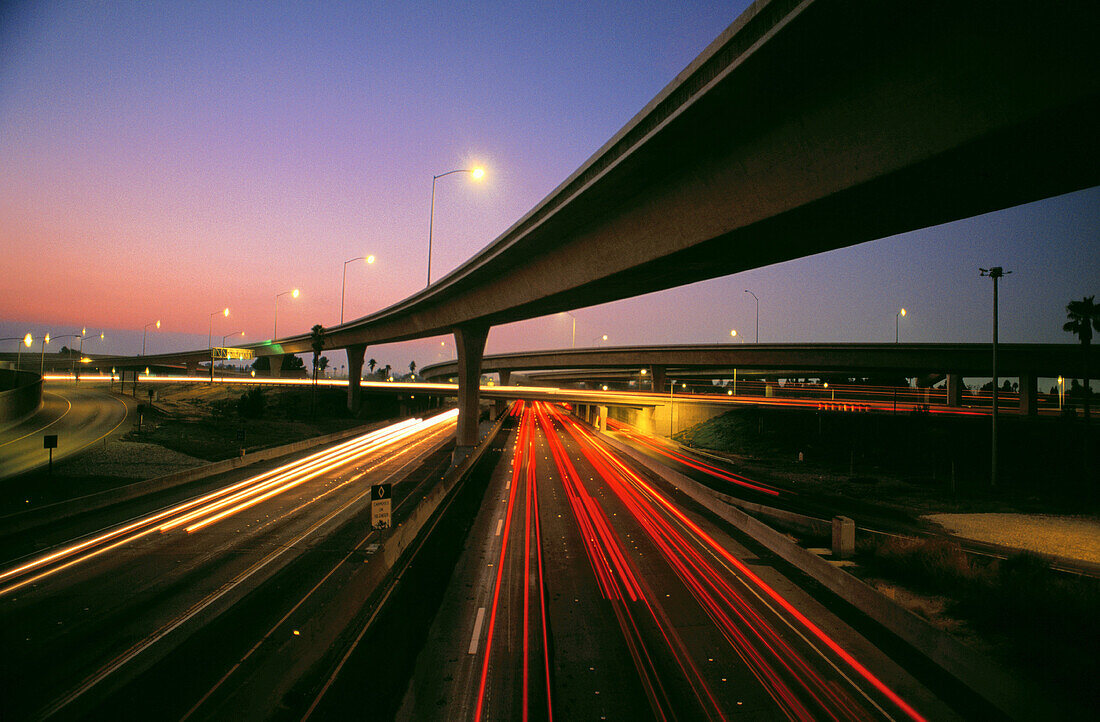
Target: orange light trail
<point>314,464</point>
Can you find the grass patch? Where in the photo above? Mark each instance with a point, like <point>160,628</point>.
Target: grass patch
<point>214,422</point>
<point>1040,620</point>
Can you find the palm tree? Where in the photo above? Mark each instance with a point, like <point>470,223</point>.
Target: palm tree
<point>386,371</point>
<point>1084,317</point>
<point>370,365</point>
<point>317,342</point>
<point>412,368</point>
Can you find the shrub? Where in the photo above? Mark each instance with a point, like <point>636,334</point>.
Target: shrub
<point>251,404</point>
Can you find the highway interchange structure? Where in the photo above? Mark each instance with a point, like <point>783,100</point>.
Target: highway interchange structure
<point>804,127</point>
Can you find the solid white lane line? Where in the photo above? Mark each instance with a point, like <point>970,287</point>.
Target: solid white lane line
<point>477,630</point>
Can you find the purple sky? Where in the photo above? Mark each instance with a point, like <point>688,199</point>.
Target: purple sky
<point>166,160</point>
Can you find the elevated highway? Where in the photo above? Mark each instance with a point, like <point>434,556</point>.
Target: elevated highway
<point>1027,361</point>
<point>804,127</point>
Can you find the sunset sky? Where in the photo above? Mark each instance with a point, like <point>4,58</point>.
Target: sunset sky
<point>165,160</point>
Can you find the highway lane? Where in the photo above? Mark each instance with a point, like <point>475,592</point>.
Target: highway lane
<point>80,415</point>
<point>87,618</point>
<point>586,592</point>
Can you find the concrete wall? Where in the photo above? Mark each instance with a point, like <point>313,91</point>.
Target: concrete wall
<point>655,420</point>
<point>22,395</point>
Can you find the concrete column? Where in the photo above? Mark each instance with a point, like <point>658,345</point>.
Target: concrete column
<point>505,377</point>
<point>660,384</point>
<point>602,418</point>
<point>470,344</point>
<point>954,389</point>
<point>355,375</point>
<point>1029,394</point>
<point>844,537</point>
<point>276,365</point>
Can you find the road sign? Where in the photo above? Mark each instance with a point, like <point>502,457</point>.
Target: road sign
<point>380,505</point>
<point>49,441</point>
<point>229,353</point>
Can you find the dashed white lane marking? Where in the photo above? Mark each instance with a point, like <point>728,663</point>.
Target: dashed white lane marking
<point>477,630</point>
<point>500,523</point>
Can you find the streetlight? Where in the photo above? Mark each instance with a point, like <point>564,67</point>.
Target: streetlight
<point>477,174</point>
<point>146,333</point>
<point>1061,391</point>
<point>599,340</point>
<point>293,294</point>
<point>344,281</point>
<point>210,329</point>
<point>23,341</point>
<point>231,334</point>
<point>573,337</point>
<point>897,323</point>
<point>42,359</point>
<point>733,334</point>
<point>995,272</point>
<point>757,315</point>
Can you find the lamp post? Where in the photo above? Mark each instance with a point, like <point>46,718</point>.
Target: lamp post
<point>48,339</point>
<point>573,336</point>
<point>23,341</point>
<point>145,333</point>
<point>757,314</point>
<point>210,328</point>
<point>293,294</point>
<point>671,405</point>
<point>735,335</point>
<point>994,272</point>
<point>344,280</point>
<point>599,340</point>
<point>42,358</point>
<point>897,324</point>
<point>1061,392</point>
<point>477,174</point>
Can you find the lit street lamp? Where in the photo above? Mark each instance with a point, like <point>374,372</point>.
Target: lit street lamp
<point>231,334</point>
<point>42,358</point>
<point>733,334</point>
<point>146,333</point>
<point>897,324</point>
<point>210,329</point>
<point>344,281</point>
<point>599,340</point>
<point>757,314</point>
<point>477,174</point>
<point>275,331</point>
<point>23,341</point>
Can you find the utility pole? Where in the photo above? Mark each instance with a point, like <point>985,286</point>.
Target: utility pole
<point>995,272</point>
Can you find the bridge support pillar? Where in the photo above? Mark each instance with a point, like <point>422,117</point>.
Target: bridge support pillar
<point>192,368</point>
<point>657,374</point>
<point>601,418</point>
<point>505,377</point>
<point>470,344</point>
<point>276,365</point>
<point>1029,395</point>
<point>954,389</point>
<point>355,375</point>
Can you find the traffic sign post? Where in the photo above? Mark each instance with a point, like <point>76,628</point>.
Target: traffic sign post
<point>380,506</point>
<point>49,441</point>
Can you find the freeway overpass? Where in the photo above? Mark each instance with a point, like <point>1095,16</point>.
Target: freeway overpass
<point>1026,361</point>
<point>804,127</point>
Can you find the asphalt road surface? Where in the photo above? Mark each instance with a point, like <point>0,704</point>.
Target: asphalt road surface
<point>79,416</point>
<point>586,592</point>
<point>209,608</point>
